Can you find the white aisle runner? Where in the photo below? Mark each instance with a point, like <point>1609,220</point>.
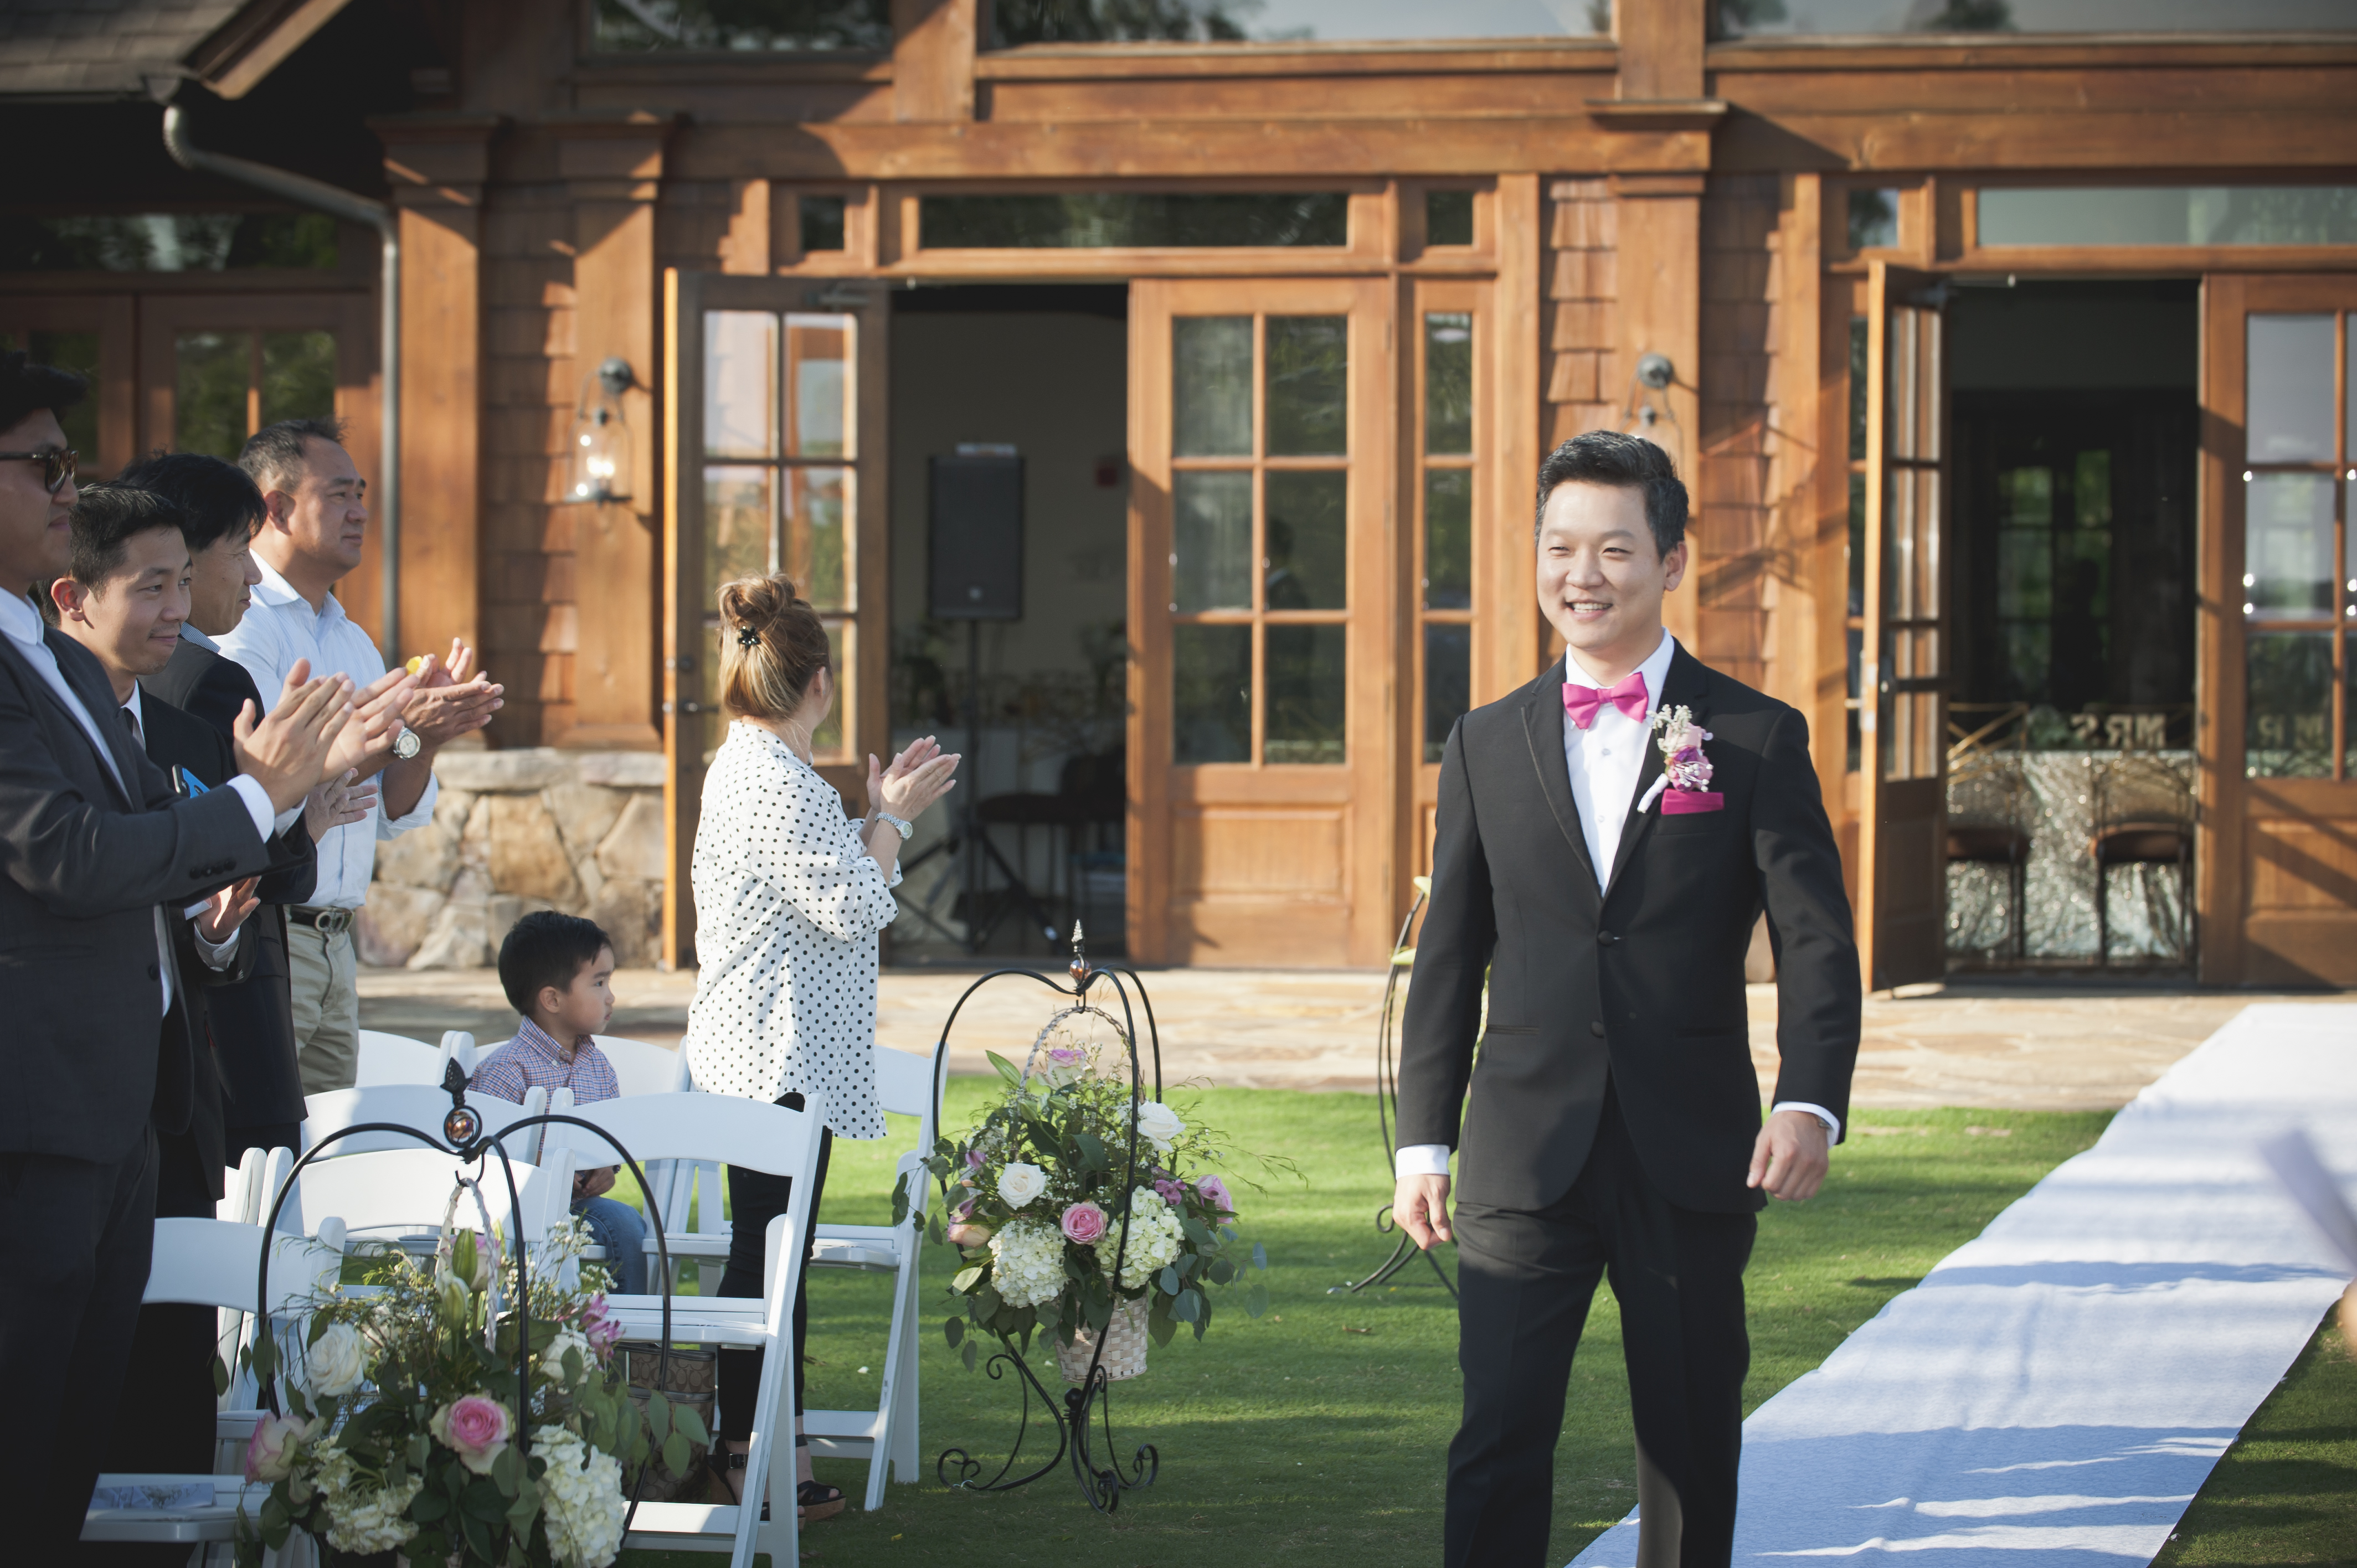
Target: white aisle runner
<point>2054,1392</point>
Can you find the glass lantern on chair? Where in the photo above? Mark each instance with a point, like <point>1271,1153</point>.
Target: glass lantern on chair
<point>600,469</point>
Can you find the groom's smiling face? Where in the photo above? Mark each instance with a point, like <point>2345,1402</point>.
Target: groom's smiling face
<point>1601,578</point>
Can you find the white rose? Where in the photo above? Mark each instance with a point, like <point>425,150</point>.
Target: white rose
<point>1019,1184</point>
<point>1159,1124</point>
<point>338,1361</point>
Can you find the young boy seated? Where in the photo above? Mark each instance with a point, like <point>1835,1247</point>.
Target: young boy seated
<point>559,972</point>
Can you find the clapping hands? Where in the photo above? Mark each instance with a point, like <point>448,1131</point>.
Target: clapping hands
<point>452,698</point>
<point>916,778</point>
<point>288,752</point>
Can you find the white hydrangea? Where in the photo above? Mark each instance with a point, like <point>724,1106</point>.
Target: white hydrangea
<point>1027,1262</point>
<point>1156,1238</point>
<point>552,1360</point>
<point>364,1521</point>
<point>581,1497</point>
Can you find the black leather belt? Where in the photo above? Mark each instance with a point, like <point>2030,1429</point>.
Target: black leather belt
<point>327,922</point>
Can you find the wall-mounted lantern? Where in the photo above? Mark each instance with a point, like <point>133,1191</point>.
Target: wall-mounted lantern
<point>600,469</point>
<point>1647,412</point>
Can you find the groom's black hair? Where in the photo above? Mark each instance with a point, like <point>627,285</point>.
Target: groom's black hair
<point>1622,462</point>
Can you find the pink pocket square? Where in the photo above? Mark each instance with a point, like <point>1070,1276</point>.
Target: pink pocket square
<point>1679,802</point>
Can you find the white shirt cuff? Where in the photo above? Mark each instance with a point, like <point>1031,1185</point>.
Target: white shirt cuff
<point>217,957</point>
<point>257,804</point>
<point>1421,1159</point>
<point>285,820</point>
<point>1831,1122</point>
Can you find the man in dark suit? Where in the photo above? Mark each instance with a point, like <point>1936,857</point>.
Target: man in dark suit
<point>1604,895</point>
<point>253,1022</point>
<point>98,858</point>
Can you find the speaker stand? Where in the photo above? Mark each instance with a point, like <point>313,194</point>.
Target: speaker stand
<point>969,844</point>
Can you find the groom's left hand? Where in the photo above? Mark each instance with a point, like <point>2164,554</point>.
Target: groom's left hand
<point>1790,1159</point>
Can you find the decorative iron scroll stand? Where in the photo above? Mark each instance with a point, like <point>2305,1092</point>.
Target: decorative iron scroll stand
<point>1101,1483</point>
<point>1387,1113</point>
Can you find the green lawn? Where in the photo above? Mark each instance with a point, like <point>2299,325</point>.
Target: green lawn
<point>1317,1433</point>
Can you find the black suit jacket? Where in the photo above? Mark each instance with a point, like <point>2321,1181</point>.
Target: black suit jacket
<point>243,1040</point>
<point>83,864</point>
<point>1643,982</point>
<point>252,1023</point>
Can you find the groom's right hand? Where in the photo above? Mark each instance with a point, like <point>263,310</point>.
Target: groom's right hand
<point>1420,1204</point>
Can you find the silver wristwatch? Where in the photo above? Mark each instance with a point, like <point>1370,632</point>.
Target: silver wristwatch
<point>903,828</point>
<point>406,744</point>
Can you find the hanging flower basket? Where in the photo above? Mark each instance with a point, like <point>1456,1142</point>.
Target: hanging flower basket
<point>1124,1347</point>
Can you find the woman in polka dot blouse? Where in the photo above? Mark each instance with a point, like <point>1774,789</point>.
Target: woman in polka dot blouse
<point>789,895</point>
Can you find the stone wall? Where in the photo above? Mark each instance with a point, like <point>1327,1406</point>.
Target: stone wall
<point>518,830</point>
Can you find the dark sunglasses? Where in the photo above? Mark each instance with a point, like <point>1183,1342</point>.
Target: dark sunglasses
<point>57,467</point>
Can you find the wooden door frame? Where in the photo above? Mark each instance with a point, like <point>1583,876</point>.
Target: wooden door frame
<point>866,703</point>
<point>1370,783</point>
<point>114,318</point>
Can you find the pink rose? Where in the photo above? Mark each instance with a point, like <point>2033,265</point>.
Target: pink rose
<point>476,1428</point>
<point>270,1451</point>
<point>1067,1056</point>
<point>1214,1194</point>
<point>1084,1224</point>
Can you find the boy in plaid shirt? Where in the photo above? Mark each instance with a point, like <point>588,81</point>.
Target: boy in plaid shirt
<point>558,970</point>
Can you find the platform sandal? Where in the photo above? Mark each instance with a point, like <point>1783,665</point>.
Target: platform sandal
<point>728,1470</point>
<point>817,1500</point>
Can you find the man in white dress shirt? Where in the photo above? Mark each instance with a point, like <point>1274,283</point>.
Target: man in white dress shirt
<point>311,539</point>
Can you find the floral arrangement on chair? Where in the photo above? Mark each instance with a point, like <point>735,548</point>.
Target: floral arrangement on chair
<point>399,1435</point>
<point>1033,1195</point>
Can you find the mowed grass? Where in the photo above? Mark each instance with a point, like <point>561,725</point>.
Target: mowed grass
<point>1317,1433</point>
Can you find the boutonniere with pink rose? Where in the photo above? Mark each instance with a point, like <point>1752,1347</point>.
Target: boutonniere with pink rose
<point>1685,784</point>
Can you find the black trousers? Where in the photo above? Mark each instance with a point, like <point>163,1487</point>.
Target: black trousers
<point>756,1197</point>
<point>1525,1279</point>
<point>81,1233</point>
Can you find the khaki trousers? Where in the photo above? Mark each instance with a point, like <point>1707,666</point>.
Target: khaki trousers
<point>323,981</point>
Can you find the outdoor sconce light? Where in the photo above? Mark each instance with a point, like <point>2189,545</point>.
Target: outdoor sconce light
<point>1648,408</point>
<point>601,437</point>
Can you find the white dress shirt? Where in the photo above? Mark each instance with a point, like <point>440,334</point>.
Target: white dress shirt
<point>22,624</point>
<point>279,627</point>
<point>1605,762</point>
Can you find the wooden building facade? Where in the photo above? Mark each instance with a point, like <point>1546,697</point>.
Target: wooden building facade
<point>1368,286</point>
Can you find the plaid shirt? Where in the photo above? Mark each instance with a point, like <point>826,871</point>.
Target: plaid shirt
<point>533,1058</point>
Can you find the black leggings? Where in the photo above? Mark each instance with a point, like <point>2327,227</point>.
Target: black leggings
<point>756,1197</point>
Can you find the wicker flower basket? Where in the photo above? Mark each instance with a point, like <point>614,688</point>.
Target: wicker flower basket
<point>1124,1351</point>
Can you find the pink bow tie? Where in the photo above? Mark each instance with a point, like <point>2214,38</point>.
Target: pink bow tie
<point>1582,703</point>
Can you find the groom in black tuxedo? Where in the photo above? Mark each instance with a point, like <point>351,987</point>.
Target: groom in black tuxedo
<point>1610,1122</point>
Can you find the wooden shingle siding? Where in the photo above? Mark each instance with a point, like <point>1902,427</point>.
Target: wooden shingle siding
<point>1582,375</point>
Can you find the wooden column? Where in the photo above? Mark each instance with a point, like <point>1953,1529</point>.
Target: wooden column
<point>932,59</point>
<point>436,166</point>
<point>1511,585</point>
<point>613,170</point>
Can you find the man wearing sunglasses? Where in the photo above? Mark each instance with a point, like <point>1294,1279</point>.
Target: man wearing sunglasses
<point>95,851</point>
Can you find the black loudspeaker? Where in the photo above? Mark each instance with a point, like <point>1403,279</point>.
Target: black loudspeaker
<point>976,525</point>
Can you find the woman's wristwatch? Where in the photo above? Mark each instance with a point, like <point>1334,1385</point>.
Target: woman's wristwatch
<point>900,825</point>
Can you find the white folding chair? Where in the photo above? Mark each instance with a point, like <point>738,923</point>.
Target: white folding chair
<point>399,1196</point>
<point>460,1047</point>
<point>215,1263</point>
<point>236,1203</point>
<point>767,1138</point>
<point>643,1068</point>
<point>413,1105</point>
<point>396,1059</point>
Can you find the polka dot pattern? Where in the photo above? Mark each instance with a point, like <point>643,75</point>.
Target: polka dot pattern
<point>788,905</point>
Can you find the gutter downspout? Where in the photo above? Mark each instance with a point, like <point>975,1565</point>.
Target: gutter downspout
<point>325,197</point>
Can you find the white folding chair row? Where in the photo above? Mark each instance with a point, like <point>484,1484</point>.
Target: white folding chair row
<point>413,1105</point>
<point>400,1196</point>
<point>400,1058</point>
<point>207,1262</point>
<point>767,1138</point>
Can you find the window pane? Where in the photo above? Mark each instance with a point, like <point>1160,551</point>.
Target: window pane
<point>740,384</point>
<point>818,383</point>
<point>1308,373</point>
<point>299,376</point>
<point>1859,343</point>
<point>1211,693</point>
<point>1309,540</point>
<point>1211,542</point>
<point>209,408</point>
<point>1764,18</point>
<point>1285,21</point>
<point>2288,732</point>
<point>1447,217</point>
<point>1210,386</point>
<point>815,555</point>
<point>827,739</point>
<point>735,527</point>
<point>1097,219</point>
<point>822,223</point>
<point>1448,539</point>
<point>2289,413</point>
<point>1856,551</point>
<point>636,26</point>
<point>1873,219</point>
<point>169,242</point>
<point>78,352</point>
<point>1448,684</point>
<point>2171,215</point>
<point>1305,695</point>
<point>1449,383</point>
<point>2288,545</point>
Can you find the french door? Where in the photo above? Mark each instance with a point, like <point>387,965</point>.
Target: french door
<point>774,451</point>
<point>1264,745</point>
<point>2278,746</point>
<point>1902,825</point>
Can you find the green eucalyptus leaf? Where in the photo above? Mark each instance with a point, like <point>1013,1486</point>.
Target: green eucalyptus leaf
<point>1092,1151</point>
<point>1169,1280</point>
<point>1221,1271</point>
<point>421,1447</point>
<point>1197,1233</point>
<point>429,1506</point>
<point>674,1455</point>
<point>1260,1256</point>
<point>968,1355</point>
<point>1189,1307</point>
<point>987,1299</point>
<point>933,1231</point>
<point>953,1330</point>
<point>1256,1300</point>
<point>220,1377</point>
<point>686,1420</point>
<point>1161,1329</point>
<point>316,1327</point>
<point>901,1198</point>
<point>966,1279</point>
<point>658,1415</point>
